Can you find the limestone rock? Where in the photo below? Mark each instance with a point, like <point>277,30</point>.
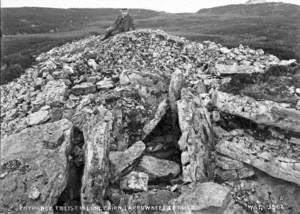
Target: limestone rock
<point>196,141</point>
<point>35,158</point>
<point>275,157</point>
<point>135,181</point>
<point>158,168</point>
<point>120,160</point>
<point>261,112</point>
<point>84,88</point>
<point>202,196</point>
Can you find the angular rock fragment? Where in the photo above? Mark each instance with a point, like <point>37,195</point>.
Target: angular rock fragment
<point>230,169</point>
<point>234,174</point>
<point>275,157</point>
<point>84,88</point>
<point>158,168</point>
<point>35,163</point>
<point>199,197</point>
<point>105,84</point>
<point>228,163</point>
<point>38,117</point>
<point>197,140</point>
<point>262,112</point>
<point>135,181</point>
<point>54,93</point>
<point>120,160</point>
<point>175,87</point>
<point>160,112</point>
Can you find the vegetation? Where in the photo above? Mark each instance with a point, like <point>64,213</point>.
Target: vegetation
<point>27,32</point>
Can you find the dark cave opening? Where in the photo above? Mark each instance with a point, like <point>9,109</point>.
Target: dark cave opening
<point>69,201</point>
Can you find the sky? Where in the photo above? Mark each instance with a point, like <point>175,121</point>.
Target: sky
<point>174,6</point>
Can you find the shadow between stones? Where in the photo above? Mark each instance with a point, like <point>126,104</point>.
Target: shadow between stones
<point>69,201</point>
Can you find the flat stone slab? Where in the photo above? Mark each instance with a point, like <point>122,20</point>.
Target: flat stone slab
<point>158,168</point>
<point>120,160</point>
<point>34,166</point>
<point>262,112</point>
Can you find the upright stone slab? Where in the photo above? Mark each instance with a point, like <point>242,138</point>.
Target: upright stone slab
<point>97,134</point>
<point>196,142</point>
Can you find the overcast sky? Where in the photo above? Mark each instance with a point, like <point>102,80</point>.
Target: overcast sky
<point>161,5</point>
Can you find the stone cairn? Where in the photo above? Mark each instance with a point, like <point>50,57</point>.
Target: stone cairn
<point>147,122</point>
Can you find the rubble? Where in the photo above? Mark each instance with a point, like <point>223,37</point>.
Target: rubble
<point>159,131</point>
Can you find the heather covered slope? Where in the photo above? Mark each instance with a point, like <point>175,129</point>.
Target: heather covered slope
<point>149,119</point>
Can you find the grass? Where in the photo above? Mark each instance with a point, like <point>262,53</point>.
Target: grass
<point>273,27</point>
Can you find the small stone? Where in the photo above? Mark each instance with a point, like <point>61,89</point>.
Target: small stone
<point>105,84</point>
<point>34,193</point>
<point>228,163</point>
<point>135,181</point>
<point>224,50</point>
<point>158,168</point>
<point>2,175</point>
<point>84,88</point>
<point>297,90</point>
<point>38,117</point>
<point>92,63</point>
<point>120,160</point>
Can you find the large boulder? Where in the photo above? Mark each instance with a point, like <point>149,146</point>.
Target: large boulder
<point>34,166</point>
<point>196,142</point>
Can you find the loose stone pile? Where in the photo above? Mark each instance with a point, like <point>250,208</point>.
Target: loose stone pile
<point>144,122</point>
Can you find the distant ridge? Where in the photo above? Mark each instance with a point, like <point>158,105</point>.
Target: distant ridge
<point>256,1</point>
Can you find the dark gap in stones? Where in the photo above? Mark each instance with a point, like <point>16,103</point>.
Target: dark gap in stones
<point>166,134</point>
<point>261,132</point>
<point>69,201</point>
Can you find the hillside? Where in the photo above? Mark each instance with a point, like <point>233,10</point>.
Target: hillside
<point>271,26</point>
<point>185,127</point>
<point>31,20</point>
